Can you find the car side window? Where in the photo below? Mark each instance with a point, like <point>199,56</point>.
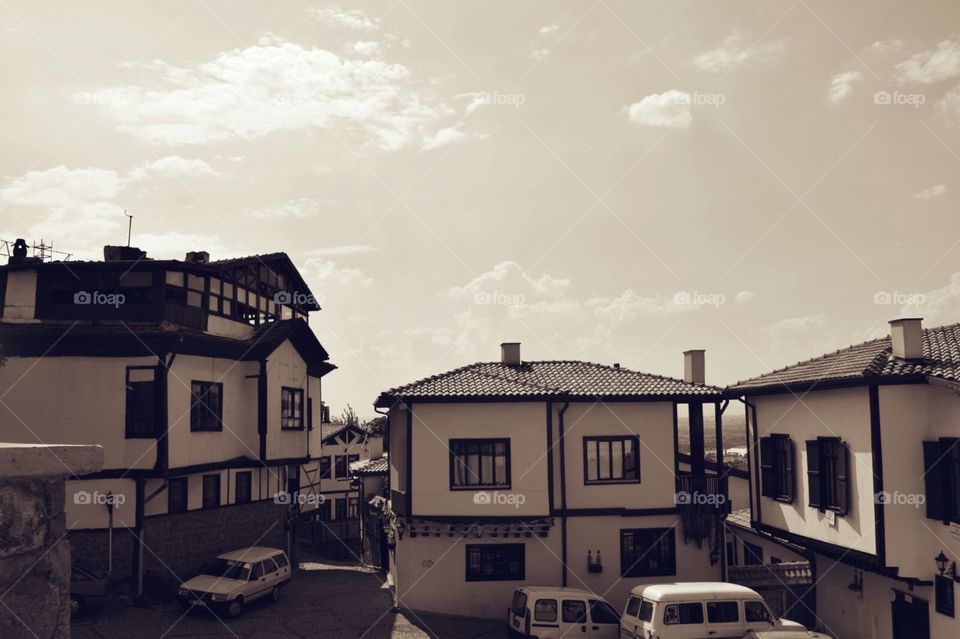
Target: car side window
<point>269,565</point>
<point>723,612</point>
<point>683,613</point>
<point>602,612</point>
<point>575,612</point>
<point>633,606</point>
<point>756,611</point>
<point>257,571</point>
<point>281,560</point>
<point>545,610</point>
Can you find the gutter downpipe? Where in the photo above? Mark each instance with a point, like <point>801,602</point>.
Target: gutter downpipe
<point>563,493</point>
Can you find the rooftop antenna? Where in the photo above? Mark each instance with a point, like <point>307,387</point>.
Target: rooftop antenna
<point>129,225</point>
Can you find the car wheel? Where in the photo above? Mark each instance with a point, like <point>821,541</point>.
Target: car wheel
<point>235,607</point>
<point>275,595</point>
<point>77,605</point>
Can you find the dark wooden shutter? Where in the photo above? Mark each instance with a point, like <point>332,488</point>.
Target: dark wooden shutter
<point>843,480</point>
<point>933,481</point>
<point>789,480</point>
<point>952,455</point>
<point>813,473</point>
<point>768,484</point>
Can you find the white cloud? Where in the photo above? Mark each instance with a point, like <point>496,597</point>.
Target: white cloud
<point>339,251</point>
<point>351,19</point>
<point>887,46</point>
<point>297,208</point>
<point>793,325</point>
<point>947,108</point>
<point>172,166</point>
<point>930,192</point>
<point>368,47</point>
<point>939,306</point>
<point>539,53</point>
<point>743,297</point>
<point>732,52</point>
<point>550,28</point>
<point>273,86</point>
<point>668,109</point>
<point>509,277</point>
<point>842,85</point>
<point>931,66</point>
<point>62,187</point>
<point>449,135</point>
<point>477,100</point>
<point>322,273</point>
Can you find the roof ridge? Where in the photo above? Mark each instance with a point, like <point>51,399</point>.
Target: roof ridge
<point>812,359</point>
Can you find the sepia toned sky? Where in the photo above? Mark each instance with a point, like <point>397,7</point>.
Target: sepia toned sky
<point>608,181</point>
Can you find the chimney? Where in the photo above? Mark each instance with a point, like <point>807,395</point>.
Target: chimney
<point>693,366</point>
<point>198,257</point>
<point>906,336</point>
<point>510,353</point>
<point>122,253</point>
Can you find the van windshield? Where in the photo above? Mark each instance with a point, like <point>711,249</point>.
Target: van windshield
<point>519,604</point>
<point>646,610</point>
<point>226,569</point>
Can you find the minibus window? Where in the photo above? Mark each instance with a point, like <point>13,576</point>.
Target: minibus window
<point>633,606</point>
<point>545,610</point>
<point>683,613</point>
<point>756,611</point>
<point>646,611</point>
<point>723,612</point>
<point>575,612</point>
<point>519,604</point>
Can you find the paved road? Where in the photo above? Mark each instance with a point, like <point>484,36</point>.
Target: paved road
<point>333,602</point>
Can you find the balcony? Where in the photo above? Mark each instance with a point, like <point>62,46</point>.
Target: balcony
<point>703,492</point>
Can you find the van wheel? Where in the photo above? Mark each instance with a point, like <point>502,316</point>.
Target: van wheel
<point>235,607</point>
<point>275,595</point>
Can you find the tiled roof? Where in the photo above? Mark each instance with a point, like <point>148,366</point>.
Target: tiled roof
<point>378,466</point>
<point>545,379</point>
<point>941,359</point>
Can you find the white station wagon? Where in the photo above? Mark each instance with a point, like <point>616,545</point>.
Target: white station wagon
<point>236,578</point>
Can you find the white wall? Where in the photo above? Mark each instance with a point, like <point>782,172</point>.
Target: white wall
<point>285,367</point>
<point>20,301</point>
<point>828,413</point>
<point>85,503</point>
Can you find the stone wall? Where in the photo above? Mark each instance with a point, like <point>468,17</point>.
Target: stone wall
<point>34,552</point>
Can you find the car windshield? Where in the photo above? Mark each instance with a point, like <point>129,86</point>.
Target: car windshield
<point>226,568</point>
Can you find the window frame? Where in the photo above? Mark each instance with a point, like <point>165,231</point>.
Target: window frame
<point>326,463</point>
<point>129,431</point>
<point>831,475</point>
<point>482,548</point>
<point>453,445</point>
<point>941,475</point>
<point>297,398</point>
<point>610,440</point>
<point>198,402</point>
<point>185,482</point>
<point>660,535</point>
<point>337,459</point>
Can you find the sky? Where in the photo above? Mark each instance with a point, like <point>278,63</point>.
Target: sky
<point>604,181</point>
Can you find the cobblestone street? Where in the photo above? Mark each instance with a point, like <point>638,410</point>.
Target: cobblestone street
<point>335,602</point>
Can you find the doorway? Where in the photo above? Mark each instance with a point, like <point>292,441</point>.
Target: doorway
<point>911,617</point>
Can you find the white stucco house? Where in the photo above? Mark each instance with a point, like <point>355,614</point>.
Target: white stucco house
<point>200,379</point>
<point>855,458</point>
<point>514,472</point>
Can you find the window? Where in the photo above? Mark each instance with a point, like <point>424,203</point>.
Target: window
<point>495,562</point>
<point>341,508</point>
<point>257,571</point>
<point>177,495</point>
<point>244,480</point>
<point>723,612</point>
<point>545,610</point>
<point>341,467</point>
<point>731,553</point>
<point>143,403</point>
<point>309,413</point>
<point>602,612</point>
<point>683,613</point>
<point>211,491</point>
<point>609,460</point>
<point>519,604</point>
<point>776,468</point>
<point>752,554</point>
<point>353,507</point>
<point>291,408</point>
<point>325,510</point>
<point>646,611</point>
<point>756,611</point>
<point>647,552</point>
<point>479,463</point>
<point>574,611</point>
<point>281,561</point>
<point>325,467</point>
<point>941,476</point>
<point>827,480</point>
<point>633,606</point>
<point>206,409</point>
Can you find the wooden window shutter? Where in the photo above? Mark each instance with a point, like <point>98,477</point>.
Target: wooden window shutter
<point>951,454</point>
<point>768,484</point>
<point>933,478</point>
<point>843,477</point>
<point>788,487</point>
<point>813,473</point>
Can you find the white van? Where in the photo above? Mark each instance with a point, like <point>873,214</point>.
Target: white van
<point>549,612</point>
<point>695,610</point>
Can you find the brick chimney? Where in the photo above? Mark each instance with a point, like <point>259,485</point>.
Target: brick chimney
<point>198,257</point>
<point>510,353</point>
<point>693,366</point>
<point>906,337</point>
